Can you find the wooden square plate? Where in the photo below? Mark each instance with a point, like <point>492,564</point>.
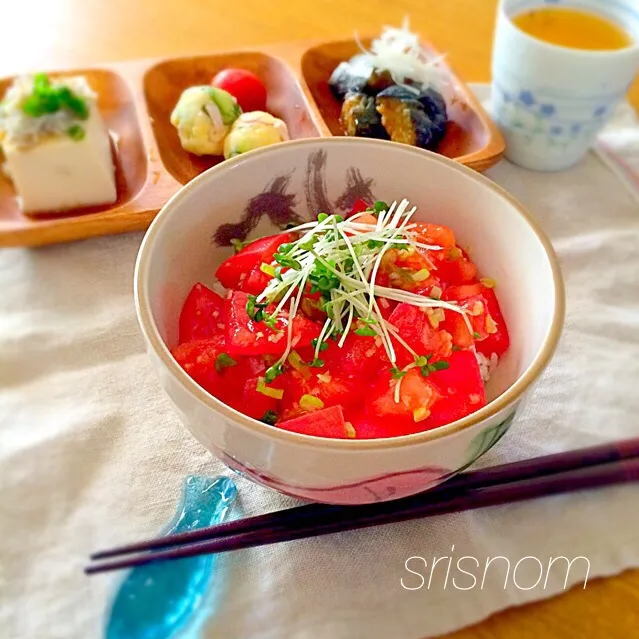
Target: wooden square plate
<point>136,99</point>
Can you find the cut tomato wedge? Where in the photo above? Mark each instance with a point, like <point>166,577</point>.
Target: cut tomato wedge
<point>202,315</point>
<point>248,337</point>
<point>359,207</point>
<point>490,331</point>
<point>233,271</point>
<point>460,390</point>
<point>198,359</point>
<point>417,330</point>
<point>328,422</point>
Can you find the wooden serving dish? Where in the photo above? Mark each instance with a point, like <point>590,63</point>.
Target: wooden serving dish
<point>136,99</point>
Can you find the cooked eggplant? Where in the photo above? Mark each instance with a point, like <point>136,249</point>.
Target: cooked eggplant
<point>435,107</point>
<point>413,117</point>
<point>360,118</point>
<point>358,76</point>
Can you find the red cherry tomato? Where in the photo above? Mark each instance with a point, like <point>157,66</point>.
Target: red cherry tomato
<point>244,86</point>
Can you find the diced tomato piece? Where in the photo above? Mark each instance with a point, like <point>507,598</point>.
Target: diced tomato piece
<point>256,281</point>
<point>455,325</point>
<point>359,207</point>
<point>332,390</point>
<point>447,395</point>
<point>230,272</point>
<point>434,234</point>
<point>256,404</point>
<point>344,378</point>
<point>369,426</point>
<point>453,268</point>
<point>405,270</point>
<point>489,326</point>
<point>202,315</point>
<point>460,390</point>
<point>198,359</point>
<point>248,337</point>
<point>360,358</point>
<point>416,393</point>
<point>416,329</point>
<point>328,422</point>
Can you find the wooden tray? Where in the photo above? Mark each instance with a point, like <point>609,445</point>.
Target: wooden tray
<point>136,98</point>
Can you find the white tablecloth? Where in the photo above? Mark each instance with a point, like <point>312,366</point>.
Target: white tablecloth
<point>91,453</point>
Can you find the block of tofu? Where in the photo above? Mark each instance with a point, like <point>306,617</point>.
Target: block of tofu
<point>60,173</point>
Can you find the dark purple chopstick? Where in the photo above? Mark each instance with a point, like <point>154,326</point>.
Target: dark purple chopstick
<point>305,515</point>
<point>614,472</point>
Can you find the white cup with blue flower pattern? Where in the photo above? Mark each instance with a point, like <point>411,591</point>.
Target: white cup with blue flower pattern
<point>551,101</point>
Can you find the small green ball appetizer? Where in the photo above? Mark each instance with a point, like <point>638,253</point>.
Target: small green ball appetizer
<point>252,131</point>
<point>203,117</point>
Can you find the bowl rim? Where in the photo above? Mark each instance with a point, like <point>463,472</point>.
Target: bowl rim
<point>510,396</point>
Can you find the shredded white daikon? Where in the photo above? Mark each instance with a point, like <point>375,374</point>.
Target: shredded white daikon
<point>399,52</point>
<point>19,129</point>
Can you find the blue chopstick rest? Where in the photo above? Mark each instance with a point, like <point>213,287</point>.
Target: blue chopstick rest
<point>158,601</point>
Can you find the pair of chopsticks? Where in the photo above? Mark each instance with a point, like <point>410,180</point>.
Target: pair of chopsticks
<point>583,469</point>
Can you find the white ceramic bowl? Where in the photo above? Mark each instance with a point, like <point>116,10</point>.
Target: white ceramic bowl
<point>258,193</point>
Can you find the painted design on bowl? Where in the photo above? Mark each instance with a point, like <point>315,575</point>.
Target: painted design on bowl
<point>158,601</point>
<point>485,440</point>
<point>278,204</point>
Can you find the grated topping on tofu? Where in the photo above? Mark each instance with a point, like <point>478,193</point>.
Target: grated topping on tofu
<point>27,116</point>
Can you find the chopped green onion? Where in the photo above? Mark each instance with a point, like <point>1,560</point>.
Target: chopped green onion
<point>274,393</point>
<point>237,244</point>
<point>421,275</point>
<point>76,132</point>
<point>224,361</point>
<point>296,362</point>
<point>271,373</point>
<point>380,206</point>
<point>476,335</point>
<point>270,417</point>
<point>309,403</point>
<point>351,433</point>
<point>267,269</point>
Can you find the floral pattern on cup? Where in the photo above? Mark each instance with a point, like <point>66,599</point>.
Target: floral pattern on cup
<point>532,116</point>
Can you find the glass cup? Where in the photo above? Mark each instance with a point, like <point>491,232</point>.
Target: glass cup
<point>551,101</point>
